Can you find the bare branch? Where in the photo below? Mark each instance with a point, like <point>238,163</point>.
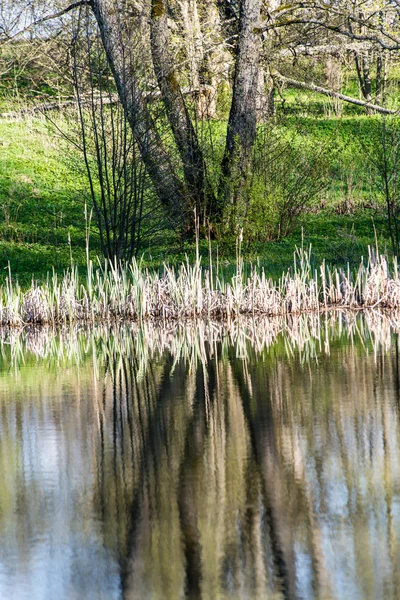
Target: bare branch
<point>375,39</point>
<point>51,17</point>
<point>62,12</point>
<point>323,49</point>
<point>302,85</point>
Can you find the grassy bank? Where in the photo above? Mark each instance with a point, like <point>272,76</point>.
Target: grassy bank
<point>43,195</point>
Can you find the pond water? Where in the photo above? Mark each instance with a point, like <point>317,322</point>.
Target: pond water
<point>259,461</point>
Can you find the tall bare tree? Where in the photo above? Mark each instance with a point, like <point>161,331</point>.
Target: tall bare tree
<point>261,38</point>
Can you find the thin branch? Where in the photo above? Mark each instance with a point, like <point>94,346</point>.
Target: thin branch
<point>330,49</point>
<point>53,16</point>
<point>62,12</point>
<point>339,30</point>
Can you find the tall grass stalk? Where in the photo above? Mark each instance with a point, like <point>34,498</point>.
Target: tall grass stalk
<point>120,292</point>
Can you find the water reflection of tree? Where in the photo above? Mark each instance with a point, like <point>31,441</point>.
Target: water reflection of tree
<point>235,484</point>
<point>228,478</point>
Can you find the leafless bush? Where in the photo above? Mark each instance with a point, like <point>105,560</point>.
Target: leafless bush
<point>124,205</point>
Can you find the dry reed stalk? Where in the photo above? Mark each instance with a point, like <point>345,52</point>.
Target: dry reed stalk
<point>119,292</point>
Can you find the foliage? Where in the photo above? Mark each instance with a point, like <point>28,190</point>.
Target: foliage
<point>382,151</point>
<point>290,172</point>
<point>43,187</point>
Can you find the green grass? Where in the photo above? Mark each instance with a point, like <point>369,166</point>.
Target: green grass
<point>41,202</point>
<point>338,239</point>
<point>42,207</point>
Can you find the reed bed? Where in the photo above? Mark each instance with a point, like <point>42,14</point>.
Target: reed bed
<point>129,292</point>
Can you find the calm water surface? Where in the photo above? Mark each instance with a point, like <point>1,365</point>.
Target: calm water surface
<point>214,466</point>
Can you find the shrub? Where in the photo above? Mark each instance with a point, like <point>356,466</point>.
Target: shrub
<point>289,173</point>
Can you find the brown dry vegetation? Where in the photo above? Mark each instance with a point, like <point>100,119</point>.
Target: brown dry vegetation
<point>118,293</point>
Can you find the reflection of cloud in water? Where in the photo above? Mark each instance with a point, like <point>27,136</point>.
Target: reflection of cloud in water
<point>52,547</point>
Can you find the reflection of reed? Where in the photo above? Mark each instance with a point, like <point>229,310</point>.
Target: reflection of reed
<point>254,477</point>
<point>306,334</point>
<point>221,470</point>
<point>287,482</point>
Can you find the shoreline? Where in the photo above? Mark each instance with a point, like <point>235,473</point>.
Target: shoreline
<point>129,293</point>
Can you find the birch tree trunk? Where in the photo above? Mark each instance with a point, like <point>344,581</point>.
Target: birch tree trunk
<point>201,70</point>
<point>195,172</point>
<point>380,78</point>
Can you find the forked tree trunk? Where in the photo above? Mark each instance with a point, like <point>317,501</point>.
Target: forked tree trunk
<point>242,124</point>
<point>167,185</point>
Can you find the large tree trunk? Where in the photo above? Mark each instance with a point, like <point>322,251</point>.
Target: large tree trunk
<point>199,193</point>
<point>242,124</point>
<point>363,74</point>
<point>155,157</point>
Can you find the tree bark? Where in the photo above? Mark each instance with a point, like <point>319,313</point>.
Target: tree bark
<point>195,172</point>
<point>199,61</point>
<point>380,78</point>
<point>167,185</point>
<point>363,74</point>
<point>242,124</point>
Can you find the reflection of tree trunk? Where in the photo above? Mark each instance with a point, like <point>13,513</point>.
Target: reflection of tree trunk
<point>391,529</point>
<point>188,511</point>
<point>149,430</point>
<point>261,429</point>
<point>321,582</point>
<point>253,529</point>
